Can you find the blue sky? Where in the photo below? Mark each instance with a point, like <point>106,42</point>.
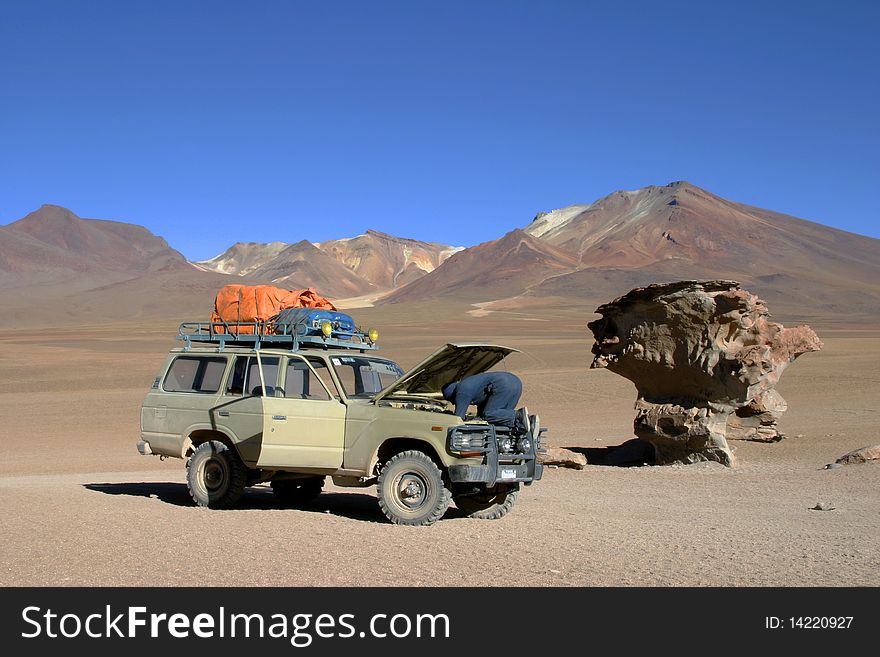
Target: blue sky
<point>217,122</point>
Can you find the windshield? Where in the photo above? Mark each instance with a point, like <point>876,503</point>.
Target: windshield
<point>362,376</point>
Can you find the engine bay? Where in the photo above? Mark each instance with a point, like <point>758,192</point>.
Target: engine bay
<point>417,404</point>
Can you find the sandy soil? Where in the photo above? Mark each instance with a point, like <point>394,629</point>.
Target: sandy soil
<point>79,505</point>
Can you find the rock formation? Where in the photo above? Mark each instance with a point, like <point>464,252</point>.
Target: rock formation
<point>862,455</point>
<point>697,352</point>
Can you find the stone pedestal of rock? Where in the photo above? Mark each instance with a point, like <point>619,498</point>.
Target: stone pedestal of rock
<point>683,434</point>
<point>758,419</point>
<point>698,351</point>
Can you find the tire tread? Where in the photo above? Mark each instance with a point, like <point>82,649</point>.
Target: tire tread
<point>442,503</point>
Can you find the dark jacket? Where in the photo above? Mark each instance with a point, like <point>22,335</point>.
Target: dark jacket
<point>495,394</point>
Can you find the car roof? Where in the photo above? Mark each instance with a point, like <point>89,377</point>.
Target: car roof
<point>273,352</point>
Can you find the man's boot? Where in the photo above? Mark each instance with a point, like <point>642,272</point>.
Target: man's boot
<point>521,423</point>
<point>535,422</point>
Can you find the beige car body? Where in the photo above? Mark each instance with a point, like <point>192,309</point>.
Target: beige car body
<point>342,436</point>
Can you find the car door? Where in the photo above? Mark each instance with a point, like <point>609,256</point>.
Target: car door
<point>240,411</point>
<point>304,424</point>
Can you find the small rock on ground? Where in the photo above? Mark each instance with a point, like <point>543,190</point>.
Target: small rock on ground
<point>861,455</point>
<point>564,457</point>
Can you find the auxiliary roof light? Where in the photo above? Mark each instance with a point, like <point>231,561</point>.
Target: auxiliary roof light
<point>373,335</point>
<point>326,329</point>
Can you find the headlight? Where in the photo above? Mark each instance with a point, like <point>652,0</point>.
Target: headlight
<point>467,443</point>
<point>505,445</point>
<point>523,445</point>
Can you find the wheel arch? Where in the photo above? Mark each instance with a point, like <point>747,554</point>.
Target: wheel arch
<point>393,446</point>
<point>197,437</point>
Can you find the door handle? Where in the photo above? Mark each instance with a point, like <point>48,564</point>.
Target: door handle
<point>223,413</point>
<point>279,417</point>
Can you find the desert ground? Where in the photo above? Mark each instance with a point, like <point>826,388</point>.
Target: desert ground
<point>80,506</point>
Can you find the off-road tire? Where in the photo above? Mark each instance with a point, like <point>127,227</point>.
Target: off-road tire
<point>490,505</point>
<point>297,492</point>
<point>215,476</point>
<point>411,489</point>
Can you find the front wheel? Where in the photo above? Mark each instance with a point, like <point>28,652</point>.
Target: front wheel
<point>411,489</point>
<point>216,476</point>
<point>489,505</point>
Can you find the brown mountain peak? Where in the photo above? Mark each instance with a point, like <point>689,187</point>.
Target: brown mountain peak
<point>52,208</point>
<point>512,238</point>
<point>303,244</point>
<point>683,188</point>
<point>493,269</point>
<point>387,237</point>
<point>387,261</point>
<point>380,234</point>
<point>303,265</point>
<point>62,246</point>
<point>47,214</point>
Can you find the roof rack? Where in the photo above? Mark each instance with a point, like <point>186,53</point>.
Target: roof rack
<point>269,333</point>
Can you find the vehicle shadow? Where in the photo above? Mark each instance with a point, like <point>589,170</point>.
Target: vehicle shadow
<point>354,506</point>
<point>176,494</point>
<point>632,453</point>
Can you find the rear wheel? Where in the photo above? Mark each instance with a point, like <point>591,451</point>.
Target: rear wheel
<point>215,476</point>
<point>411,489</point>
<point>490,505</point>
<point>297,492</point>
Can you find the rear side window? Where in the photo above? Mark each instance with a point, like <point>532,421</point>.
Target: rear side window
<point>195,374</point>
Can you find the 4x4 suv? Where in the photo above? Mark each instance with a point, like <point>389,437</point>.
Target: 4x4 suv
<point>244,412</point>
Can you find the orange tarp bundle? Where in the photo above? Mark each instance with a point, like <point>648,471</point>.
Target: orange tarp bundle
<point>259,303</point>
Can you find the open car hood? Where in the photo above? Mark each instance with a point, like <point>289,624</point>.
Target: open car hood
<point>452,362</point>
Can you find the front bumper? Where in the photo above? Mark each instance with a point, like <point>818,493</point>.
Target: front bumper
<point>502,474</point>
<point>498,468</point>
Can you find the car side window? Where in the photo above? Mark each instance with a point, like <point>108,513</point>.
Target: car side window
<point>323,373</point>
<point>301,383</point>
<point>362,376</point>
<point>245,376</point>
<point>195,374</point>
<point>346,376</point>
<point>235,385</point>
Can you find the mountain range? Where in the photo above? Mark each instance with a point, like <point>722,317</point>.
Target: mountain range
<point>347,267</point>
<point>581,254</point>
